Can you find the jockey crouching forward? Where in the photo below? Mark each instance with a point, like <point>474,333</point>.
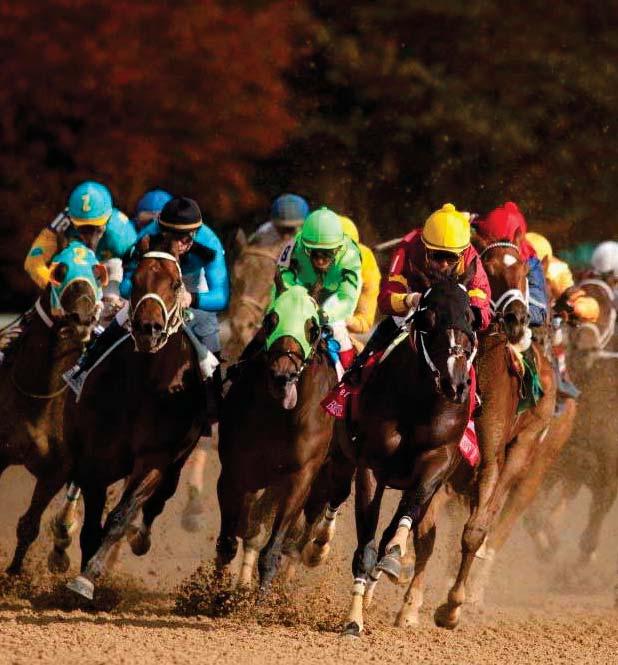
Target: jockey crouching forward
<point>328,264</point>
<point>443,245</point>
<point>204,273</point>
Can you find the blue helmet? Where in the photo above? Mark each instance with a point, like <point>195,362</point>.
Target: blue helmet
<point>153,201</point>
<point>289,210</point>
<point>90,204</point>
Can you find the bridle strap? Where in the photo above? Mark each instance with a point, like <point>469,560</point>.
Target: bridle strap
<point>43,314</point>
<point>502,243</point>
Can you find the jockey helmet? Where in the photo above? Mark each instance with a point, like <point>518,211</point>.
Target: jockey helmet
<point>349,228</point>
<point>447,230</point>
<point>605,257</point>
<point>180,215</point>
<point>289,210</point>
<point>90,204</point>
<point>322,230</point>
<point>540,244</point>
<point>153,201</point>
<point>502,222</point>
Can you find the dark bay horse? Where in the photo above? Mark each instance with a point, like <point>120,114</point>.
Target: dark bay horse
<point>590,459</point>
<point>32,391</point>
<point>514,457</point>
<point>273,433</point>
<point>413,411</point>
<point>139,417</point>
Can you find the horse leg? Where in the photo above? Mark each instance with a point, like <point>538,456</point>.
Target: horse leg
<point>340,474</point>
<point>260,516</point>
<point>541,519</point>
<point>140,488</point>
<point>30,522</point>
<point>63,526</point>
<point>194,508</point>
<point>295,489</point>
<point>368,498</point>
<point>232,500</point>
<point>139,536</point>
<point>604,494</point>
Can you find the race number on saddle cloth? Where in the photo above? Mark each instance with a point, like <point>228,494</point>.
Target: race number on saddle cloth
<point>322,255</point>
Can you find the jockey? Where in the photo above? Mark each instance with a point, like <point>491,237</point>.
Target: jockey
<point>149,207</point>
<point>364,316</point>
<point>566,299</point>
<point>508,223</point>
<point>91,218</point>
<point>323,255</point>
<point>443,245</point>
<point>605,258</point>
<point>204,273</point>
<point>286,217</point>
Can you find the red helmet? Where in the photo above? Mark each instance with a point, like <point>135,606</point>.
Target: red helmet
<point>502,223</point>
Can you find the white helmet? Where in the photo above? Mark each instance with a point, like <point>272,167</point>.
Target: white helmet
<point>605,257</point>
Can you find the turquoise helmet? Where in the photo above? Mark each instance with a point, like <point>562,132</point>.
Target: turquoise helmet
<point>90,204</point>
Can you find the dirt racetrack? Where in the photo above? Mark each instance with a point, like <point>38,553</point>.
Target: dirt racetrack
<point>534,613</point>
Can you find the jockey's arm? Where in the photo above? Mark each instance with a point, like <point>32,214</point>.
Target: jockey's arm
<point>341,304</point>
<point>217,297</point>
<point>394,287</point>
<point>537,296</point>
<point>40,255</point>
<point>479,290</point>
<point>364,316</point>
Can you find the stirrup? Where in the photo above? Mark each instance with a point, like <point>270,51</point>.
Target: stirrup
<point>75,379</point>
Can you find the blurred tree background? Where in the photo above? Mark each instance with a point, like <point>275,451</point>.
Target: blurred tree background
<point>383,110</point>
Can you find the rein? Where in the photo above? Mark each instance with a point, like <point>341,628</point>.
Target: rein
<point>293,356</point>
<point>173,316</point>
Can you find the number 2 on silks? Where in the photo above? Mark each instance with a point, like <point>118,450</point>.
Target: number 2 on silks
<point>86,202</point>
<point>79,255</point>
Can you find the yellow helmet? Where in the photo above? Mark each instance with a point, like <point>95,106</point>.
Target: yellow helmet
<point>349,228</point>
<point>540,244</point>
<point>447,230</point>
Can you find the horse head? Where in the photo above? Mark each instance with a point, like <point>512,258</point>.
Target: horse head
<point>508,278</point>
<point>444,334</point>
<point>75,292</point>
<point>155,306</point>
<point>293,332</point>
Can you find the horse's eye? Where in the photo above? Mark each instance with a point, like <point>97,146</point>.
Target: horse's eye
<point>177,284</point>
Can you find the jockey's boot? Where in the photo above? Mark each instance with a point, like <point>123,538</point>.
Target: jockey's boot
<point>566,388</point>
<point>383,335</point>
<point>98,348</point>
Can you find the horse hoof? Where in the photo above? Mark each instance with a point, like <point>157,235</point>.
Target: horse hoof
<point>139,541</point>
<point>58,561</point>
<point>314,554</point>
<point>445,617</point>
<point>352,630</point>
<point>13,570</point>
<point>407,573</point>
<point>390,564</point>
<point>82,586</point>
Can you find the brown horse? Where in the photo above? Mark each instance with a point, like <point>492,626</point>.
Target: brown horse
<point>32,391</point>
<point>139,416</point>
<point>591,457</point>
<point>251,281</point>
<point>412,414</point>
<point>273,433</point>
<point>513,461</point>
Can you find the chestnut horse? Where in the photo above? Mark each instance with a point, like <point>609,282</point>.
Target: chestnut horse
<point>273,434</point>
<point>514,458</point>
<point>32,391</point>
<point>591,457</point>
<point>412,414</point>
<point>139,417</point>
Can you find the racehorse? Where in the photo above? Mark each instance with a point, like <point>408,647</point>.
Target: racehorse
<point>273,433</point>
<point>412,413</point>
<point>139,416</point>
<point>32,391</point>
<point>591,457</point>
<point>251,281</point>
<point>514,458</point>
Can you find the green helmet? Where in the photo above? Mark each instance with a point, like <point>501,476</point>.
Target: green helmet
<point>322,230</point>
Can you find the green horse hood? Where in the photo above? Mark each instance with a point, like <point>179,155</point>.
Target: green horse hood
<point>294,307</point>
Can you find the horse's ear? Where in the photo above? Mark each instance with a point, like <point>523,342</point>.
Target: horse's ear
<point>270,322</point>
<point>425,319</point>
<point>240,241</point>
<point>143,246</point>
<point>280,286</point>
<point>100,274</point>
<point>469,272</point>
<point>479,243</point>
<point>545,263</point>
<point>58,273</point>
<point>518,238</point>
<point>312,330</point>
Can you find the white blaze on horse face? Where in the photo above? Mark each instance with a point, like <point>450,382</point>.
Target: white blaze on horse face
<point>450,363</point>
<point>509,260</point>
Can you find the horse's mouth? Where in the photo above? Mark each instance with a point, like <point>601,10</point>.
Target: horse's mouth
<point>148,343</point>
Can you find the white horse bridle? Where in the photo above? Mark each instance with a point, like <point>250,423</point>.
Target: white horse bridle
<point>173,316</point>
<point>602,338</point>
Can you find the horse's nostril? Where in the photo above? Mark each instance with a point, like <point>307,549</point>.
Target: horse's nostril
<point>157,327</point>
